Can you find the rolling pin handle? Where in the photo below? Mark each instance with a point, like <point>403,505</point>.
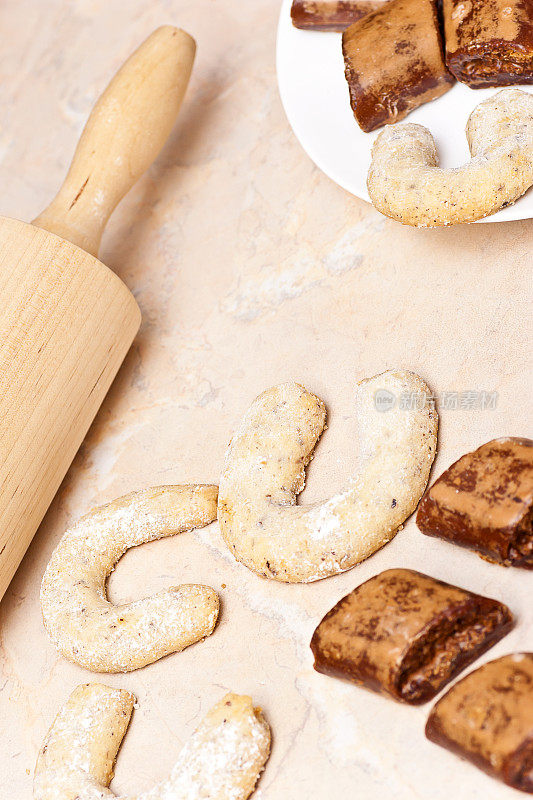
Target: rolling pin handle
<point>126,130</point>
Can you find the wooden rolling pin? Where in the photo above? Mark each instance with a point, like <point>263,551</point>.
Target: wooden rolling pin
<point>66,320</point>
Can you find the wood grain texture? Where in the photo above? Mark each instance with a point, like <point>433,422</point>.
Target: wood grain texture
<point>67,322</point>
<point>126,130</point>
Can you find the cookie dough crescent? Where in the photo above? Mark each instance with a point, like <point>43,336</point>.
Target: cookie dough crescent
<point>264,471</point>
<point>406,183</point>
<point>221,761</point>
<point>102,637</point>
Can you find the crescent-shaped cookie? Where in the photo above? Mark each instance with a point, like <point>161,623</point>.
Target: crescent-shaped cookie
<point>221,761</point>
<point>89,630</point>
<point>264,471</point>
<point>406,183</point>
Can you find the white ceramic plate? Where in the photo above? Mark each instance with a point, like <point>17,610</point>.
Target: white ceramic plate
<point>314,94</point>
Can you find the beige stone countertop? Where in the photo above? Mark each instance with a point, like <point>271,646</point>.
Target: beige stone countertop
<point>250,268</point>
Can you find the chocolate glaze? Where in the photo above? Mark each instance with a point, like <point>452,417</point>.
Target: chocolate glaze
<point>394,62</point>
<point>330,15</point>
<point>489,42</point>
<point>485,502</point>
<point>487,718</point>
<point>406,635</point>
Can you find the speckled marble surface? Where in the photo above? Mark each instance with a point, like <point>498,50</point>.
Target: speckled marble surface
<point>250,268</point>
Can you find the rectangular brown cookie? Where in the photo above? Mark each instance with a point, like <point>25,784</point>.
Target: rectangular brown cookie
<point>394,62</point>
<point>485,502</point>
<point>487,718</point>
<point>330,15</point>
<point>489,42</point>
<point>406,634</point>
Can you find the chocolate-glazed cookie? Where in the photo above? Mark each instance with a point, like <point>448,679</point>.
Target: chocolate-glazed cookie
<point>394,62</point>
<point>487,718</point>
<point>330,15</point>
<point>485,502</point>
<point>405,634</point>
<point>489,42</point>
